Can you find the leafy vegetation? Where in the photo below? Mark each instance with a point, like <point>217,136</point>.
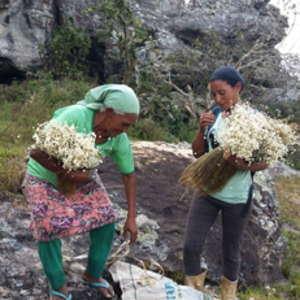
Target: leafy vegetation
<point>124,29</point>
<point>65,54</point>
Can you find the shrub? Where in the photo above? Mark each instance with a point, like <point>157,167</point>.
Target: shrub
<point>149,130</point>
<point>65,54</point>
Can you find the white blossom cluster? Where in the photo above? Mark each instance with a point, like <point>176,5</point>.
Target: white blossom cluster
<point>74,150</point>
<point>255,137</point>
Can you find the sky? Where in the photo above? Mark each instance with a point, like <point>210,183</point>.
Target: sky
<point>290,8</point>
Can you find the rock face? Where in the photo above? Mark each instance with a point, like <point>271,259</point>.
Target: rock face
<point>174,25</point>
<point>24,25</point>
<point>280,169</point>
<point>161,216</point>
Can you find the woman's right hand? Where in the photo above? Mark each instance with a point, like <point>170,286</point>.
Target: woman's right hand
<point>206,120</point>
<point>198,144</point>
<point>81,176</point>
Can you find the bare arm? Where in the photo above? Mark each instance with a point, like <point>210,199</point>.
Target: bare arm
<point>198,144</point>
<point>52,165</point>
<point>240,163</point>
<point>130,224</point>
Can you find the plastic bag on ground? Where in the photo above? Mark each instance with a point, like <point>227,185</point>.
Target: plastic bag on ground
<point>135,284</point>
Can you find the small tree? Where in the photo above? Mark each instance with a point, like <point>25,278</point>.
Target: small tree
<point>124,29</point>
<point>67,50</point>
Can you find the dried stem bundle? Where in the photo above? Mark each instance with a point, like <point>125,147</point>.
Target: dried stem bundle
<point>65,186</point>
<point>209,173</point>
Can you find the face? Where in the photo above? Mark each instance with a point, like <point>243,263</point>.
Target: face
<point>224,94</point>
<point>116,124</point>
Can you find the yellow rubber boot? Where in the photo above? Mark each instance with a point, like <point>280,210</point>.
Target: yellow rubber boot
<point>228,289</point>
<point>196,282</point>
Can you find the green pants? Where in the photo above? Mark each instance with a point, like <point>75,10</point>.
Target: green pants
<point>51,256</point>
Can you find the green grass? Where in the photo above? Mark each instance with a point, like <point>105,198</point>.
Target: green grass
<point>22,107</point>
<point>288,189</point>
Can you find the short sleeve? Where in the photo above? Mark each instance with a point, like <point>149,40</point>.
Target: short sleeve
<point>66,114</point>
<point>76,115</point>
<point>122,154</point>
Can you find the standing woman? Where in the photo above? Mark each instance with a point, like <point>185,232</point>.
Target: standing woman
<point>108,111</point>
<point>233,200</point>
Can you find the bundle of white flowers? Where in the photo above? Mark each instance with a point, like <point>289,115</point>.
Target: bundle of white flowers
<point>255,137</point>
<point>73,150</point>
<point>249,135</point>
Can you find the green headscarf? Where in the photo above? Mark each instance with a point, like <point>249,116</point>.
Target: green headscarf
<point>120,97</point>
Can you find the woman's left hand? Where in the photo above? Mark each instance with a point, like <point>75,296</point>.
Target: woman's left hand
<point>130,226</point>
<point>240,163</point>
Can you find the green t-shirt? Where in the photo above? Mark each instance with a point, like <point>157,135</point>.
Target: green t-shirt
<point>118,148</point>
<point>237,189</point>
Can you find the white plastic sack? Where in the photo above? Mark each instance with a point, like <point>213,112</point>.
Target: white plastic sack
<point>136,284</point>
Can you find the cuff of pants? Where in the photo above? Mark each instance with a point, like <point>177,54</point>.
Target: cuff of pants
<point>94,268</point>
<point>231,269</point>
<point>57,280</point>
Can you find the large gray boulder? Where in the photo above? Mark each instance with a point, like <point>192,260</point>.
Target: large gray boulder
<point>161,216</point>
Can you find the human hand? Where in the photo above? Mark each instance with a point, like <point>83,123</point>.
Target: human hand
<point>37,154</point>
<point>206,120</point>
<point>239,163</point>
<point>80,176</point>
<point>130,226</point>
<point>34,152</point>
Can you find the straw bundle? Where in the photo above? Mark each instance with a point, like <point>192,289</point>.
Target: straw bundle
<point>65,186</point>
<point>209,173</point>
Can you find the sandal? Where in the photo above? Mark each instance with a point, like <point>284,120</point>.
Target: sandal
<point>51,292</point>
<point>97,284</point>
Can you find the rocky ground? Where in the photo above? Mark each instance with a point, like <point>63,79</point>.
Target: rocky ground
<point>161,213</point>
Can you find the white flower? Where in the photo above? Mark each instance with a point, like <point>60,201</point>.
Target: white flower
<point>255,137</point>
<point>73,149</point>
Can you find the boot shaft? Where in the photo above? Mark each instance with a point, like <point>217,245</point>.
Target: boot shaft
<point>196,282</point>
<point>228,289</point>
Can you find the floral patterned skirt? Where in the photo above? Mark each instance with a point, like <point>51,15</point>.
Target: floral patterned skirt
<point>53,215</point>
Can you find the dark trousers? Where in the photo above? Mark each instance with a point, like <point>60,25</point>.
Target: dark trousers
<point>202,214</point>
